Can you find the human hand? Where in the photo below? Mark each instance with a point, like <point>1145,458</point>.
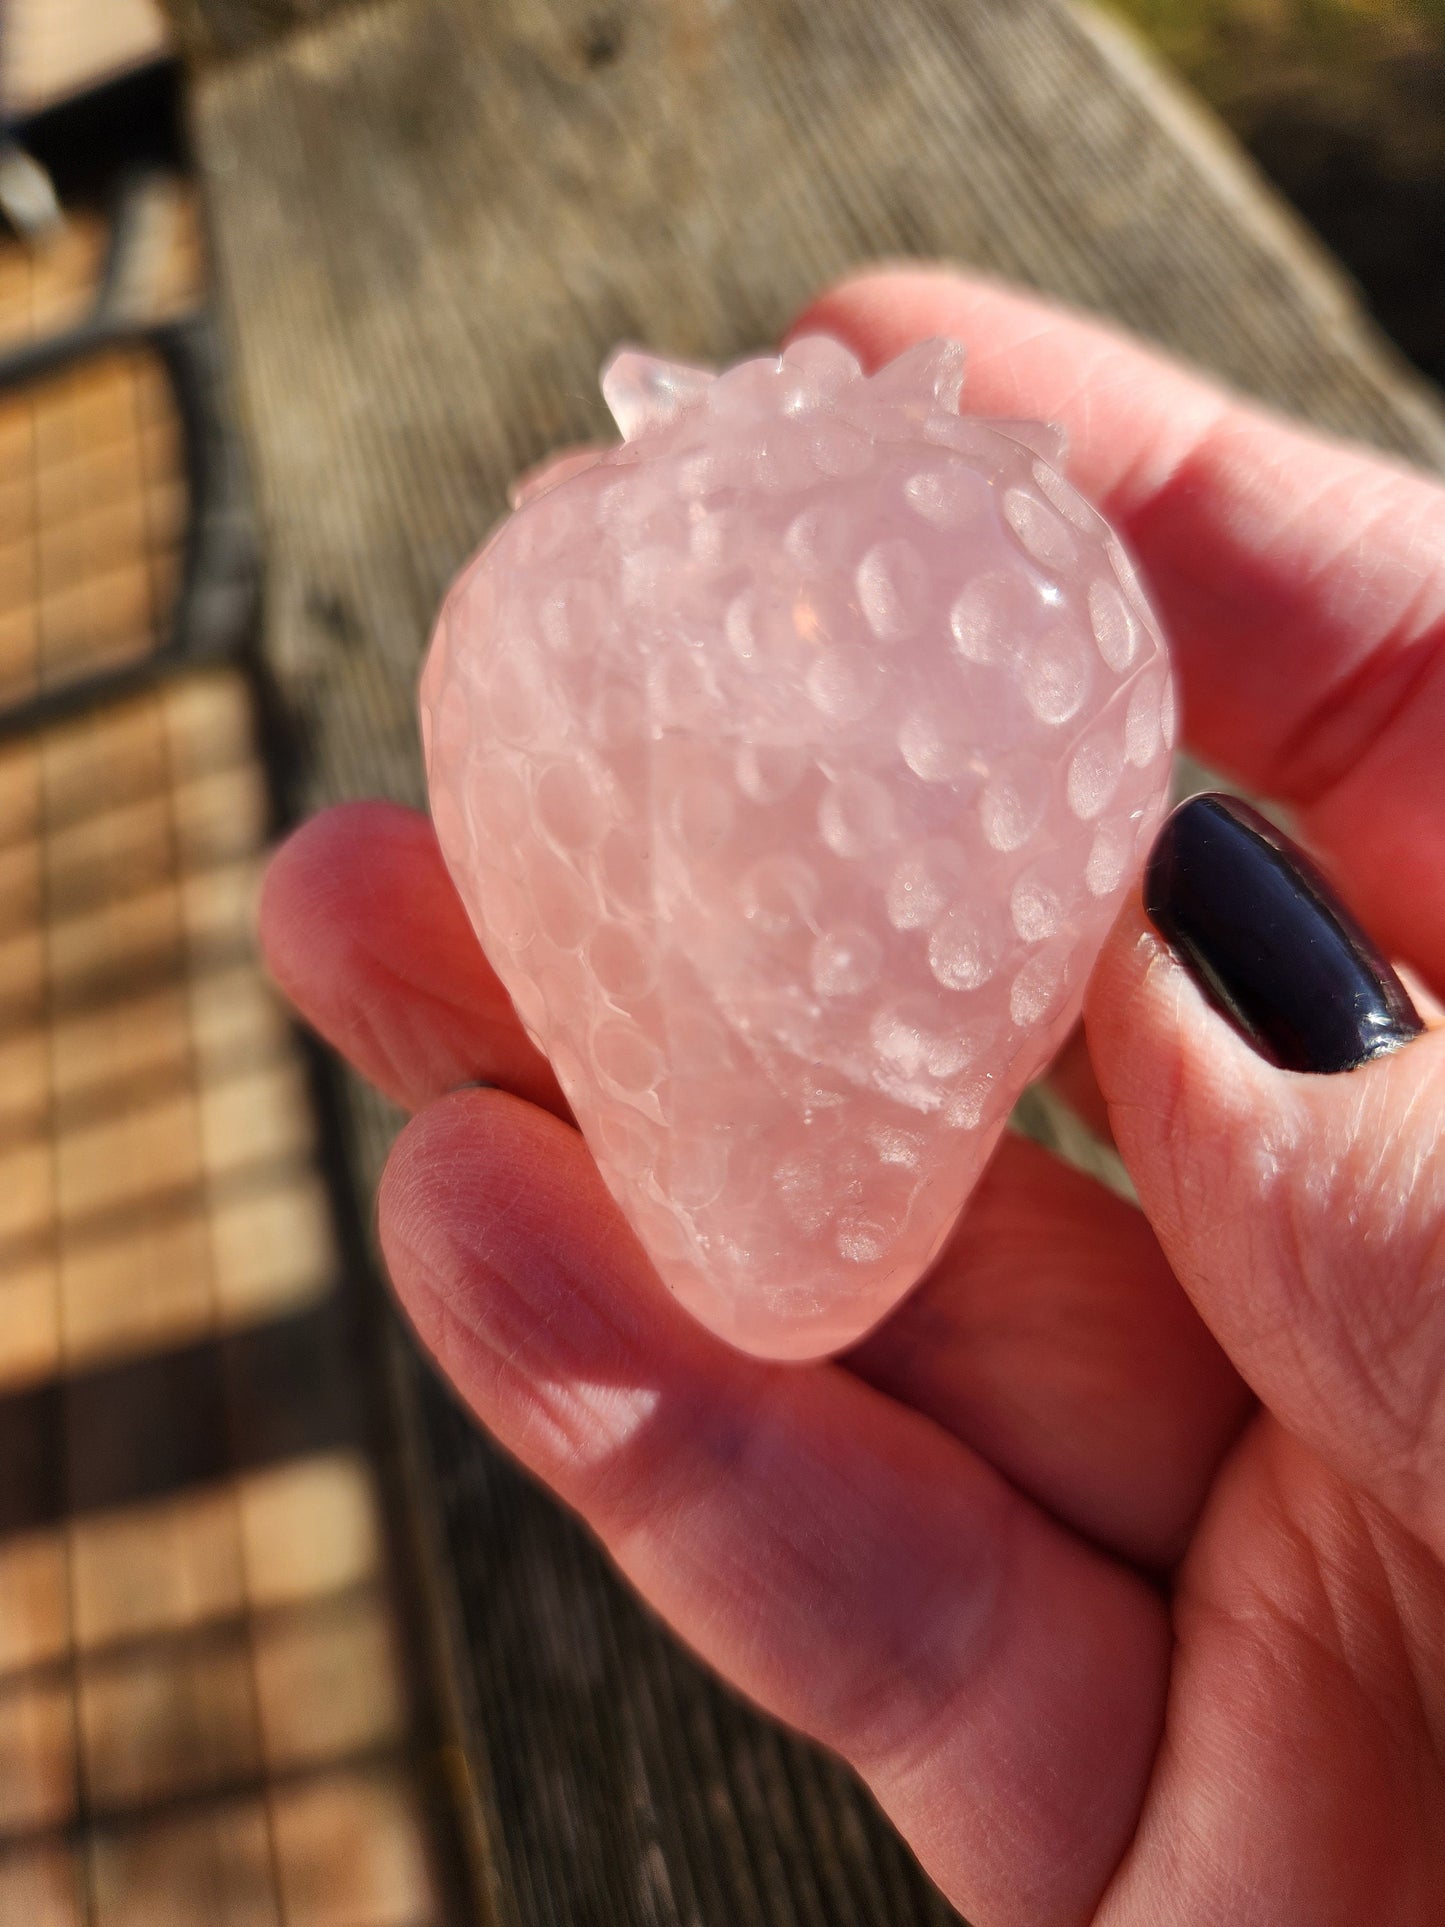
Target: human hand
<point>1112,1561</point>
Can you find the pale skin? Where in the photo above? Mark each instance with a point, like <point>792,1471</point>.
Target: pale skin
<point>1113,1560</point>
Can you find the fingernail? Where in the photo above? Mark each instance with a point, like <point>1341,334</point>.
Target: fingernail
<point>1261,930</point>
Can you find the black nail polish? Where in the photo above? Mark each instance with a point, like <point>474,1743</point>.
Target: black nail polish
<point>1261,929</point>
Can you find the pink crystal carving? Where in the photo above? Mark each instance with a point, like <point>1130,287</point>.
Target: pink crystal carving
<point>792,759</point>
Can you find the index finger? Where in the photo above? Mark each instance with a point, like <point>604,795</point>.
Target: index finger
<point>1302,580</point>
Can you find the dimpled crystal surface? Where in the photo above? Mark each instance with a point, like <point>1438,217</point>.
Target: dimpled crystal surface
<point>792,758</point>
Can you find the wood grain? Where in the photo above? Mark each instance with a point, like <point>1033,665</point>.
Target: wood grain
<point>431,219</point>
<point>220,29</point>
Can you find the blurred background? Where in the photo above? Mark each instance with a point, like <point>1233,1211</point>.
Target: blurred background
<point>1342,104</point>
<point>210,1697</point>
<point>220,1696</point>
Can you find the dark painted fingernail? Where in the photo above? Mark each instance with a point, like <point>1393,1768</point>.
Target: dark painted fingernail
<point>1263,932</point>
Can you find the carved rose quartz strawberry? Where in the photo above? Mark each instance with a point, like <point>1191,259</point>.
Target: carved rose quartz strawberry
<point>792,759</point>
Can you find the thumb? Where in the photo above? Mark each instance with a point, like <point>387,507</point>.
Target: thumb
<point>1303,1208</point>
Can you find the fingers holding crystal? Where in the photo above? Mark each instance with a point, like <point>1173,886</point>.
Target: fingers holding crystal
<point>362,928</point>
<point>1302,1208</point>
<point>840,1559</point>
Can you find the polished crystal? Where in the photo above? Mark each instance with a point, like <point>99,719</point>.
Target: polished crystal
<point>791,759</point>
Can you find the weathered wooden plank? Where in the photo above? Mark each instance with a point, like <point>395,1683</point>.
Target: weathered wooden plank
<point>220,29</point>
<point>431,219</point>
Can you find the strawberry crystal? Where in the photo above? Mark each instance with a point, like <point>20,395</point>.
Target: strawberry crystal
<point>792,759</point>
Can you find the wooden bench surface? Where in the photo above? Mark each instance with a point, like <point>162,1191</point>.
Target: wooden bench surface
<point>431,219</point>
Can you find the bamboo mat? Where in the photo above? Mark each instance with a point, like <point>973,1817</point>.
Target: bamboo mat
<point>92,501</point>
<point>205,1717</point>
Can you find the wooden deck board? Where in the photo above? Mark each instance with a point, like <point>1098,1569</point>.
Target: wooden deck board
<point>432,219</point>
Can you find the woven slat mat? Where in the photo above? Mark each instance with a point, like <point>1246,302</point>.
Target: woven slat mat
<point>206,1711</point>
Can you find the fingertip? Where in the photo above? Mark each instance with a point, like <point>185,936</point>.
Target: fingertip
<point>1180,1085</point>
<point>526,1286</point>
<point>1301,1210</point>
<point>881,309</point>
<point>1072,1078</point>
<point>326,842</point>
<point>1428,1006</point>
<point>1217,1137</point>
<point>1168,1058</point>
<point>456,1204</point>
<point>481,1181</point>
<point>284,899</point>
<point>1141,995</point>
<point>363,930</point>
<point>466,1157</point>
<point>1132,953</point>
<point>411,1197</point>
<point>315,874</point>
